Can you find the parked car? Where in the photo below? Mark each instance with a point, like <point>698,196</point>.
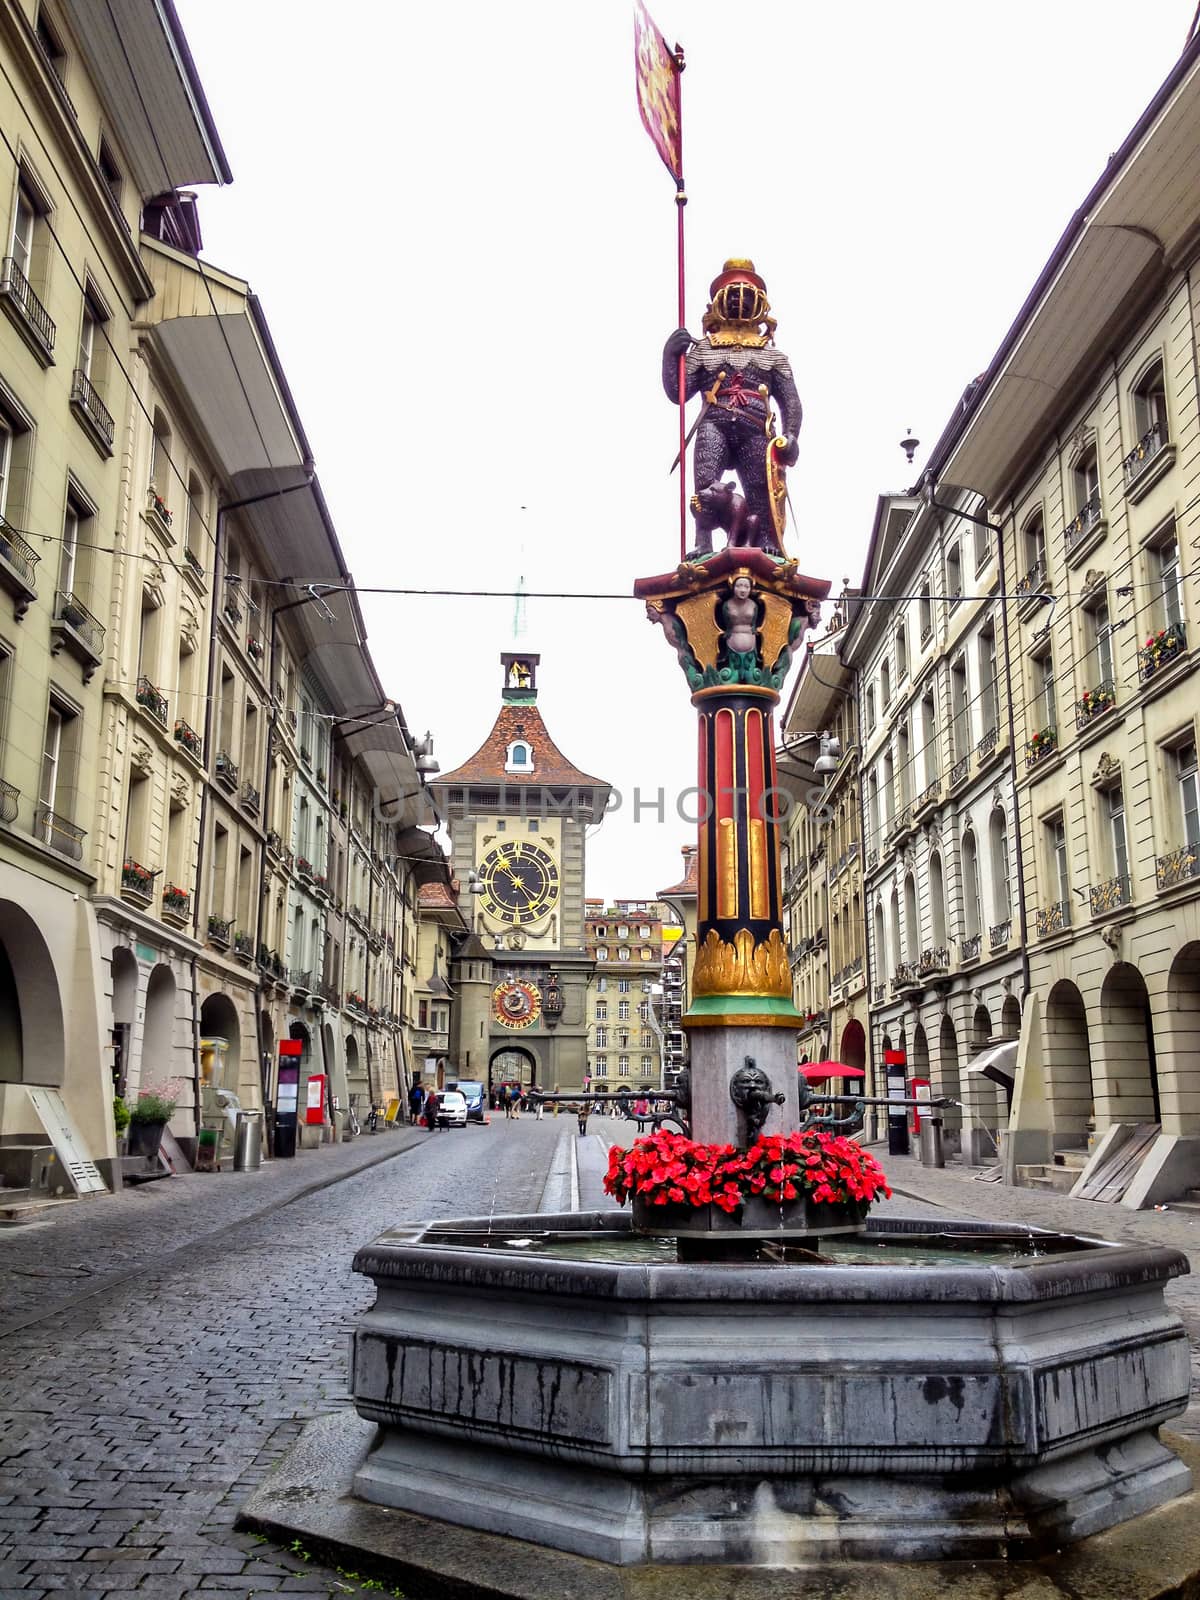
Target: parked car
<point>452,1109</point>
<point>473,1093</point>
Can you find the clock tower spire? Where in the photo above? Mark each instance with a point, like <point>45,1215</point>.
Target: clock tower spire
<point>518,812</point>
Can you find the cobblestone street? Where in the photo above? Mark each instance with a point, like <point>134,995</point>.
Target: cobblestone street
<point>209,1321</point>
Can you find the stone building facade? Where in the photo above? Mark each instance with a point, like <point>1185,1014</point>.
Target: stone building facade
<point>625,996</point>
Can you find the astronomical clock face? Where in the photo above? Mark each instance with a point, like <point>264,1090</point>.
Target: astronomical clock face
<point>516,1003</point>
<point>520,882</point>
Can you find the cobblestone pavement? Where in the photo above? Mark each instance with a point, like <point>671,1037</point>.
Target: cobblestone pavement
<point>134,1424</point>
<point>146,1395</point>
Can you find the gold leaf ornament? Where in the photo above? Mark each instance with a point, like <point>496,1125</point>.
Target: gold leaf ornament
<point>743,967</point>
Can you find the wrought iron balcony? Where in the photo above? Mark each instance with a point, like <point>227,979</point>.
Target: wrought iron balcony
<point>1161,649</point>
<point>92,411</point>
<point>255,649</point>
<point>1044,743</point>
<point>305,868</point>
<point>988,743</point>
<point>26,310</point>
<point>158,510</point>
<point>232,611</point>
<point>225,770</point>
<point>1033,589</point>
<point>1147,449</point>
<point>274,842</point>
<point>960,770</point>
<point>872,858</point>
<point>1090,514</point>
<point>933,963</point>
<point>1095,703</point>
<point>219,931</point>
<point>901,823</point>
<point>355,1001</point>
<point>176,904</point>
<point>1178,867</point>
<point>929,796</point>
<point>969,948</point>
<point>243,946</point>
<point>9,795</point>
<point>188,738</point>
<point>137,880</point>
<point>251,799</point>
<point>999,935</point>
<point>905,977</point>
<point>1110,896</point>
<point>878,993</point>
<point>57,832</point>
<point>17,563</point>
<point>150,699</point>
<point>1053,919</point>
<point>77,630</point>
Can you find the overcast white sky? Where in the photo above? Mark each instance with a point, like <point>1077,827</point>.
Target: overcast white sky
<point>464,244</point>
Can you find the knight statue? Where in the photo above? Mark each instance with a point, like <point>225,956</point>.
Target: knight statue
<point>737,368</point>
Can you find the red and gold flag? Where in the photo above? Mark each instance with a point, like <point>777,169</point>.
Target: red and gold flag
<point>658,90</point>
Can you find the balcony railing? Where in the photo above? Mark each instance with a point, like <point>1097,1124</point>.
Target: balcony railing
<point>255,649</point>
<point>933,963</point>
<point>274,841</point>
<point>988,743</point>
<point>969,948</point>
<point>15,291</point>
<point>94,413</point>
<point>219,931</point>
<point>959,771</point>
<point>1032,587</point>
<point>878,993</point>
<point>1095,703</point>
<point>9,796</point>
<point>1111,895</point>
<point>225,770</point>
<point>137,879</point>
<point>905,977</point>
<point>188,738</point>
<point>901,822</point>
<point>872,858</point>
<point>150,699</point>
<point>355,1001</point>
<point>1090,513</point>
<point>251,799</point>
<point>271,963</point>
<point>176,903</point>
<point>1053,919</point>
<point>305,868</point>
<point>243,946</point>
<point>998,936</point>
<point>1150,445</point>
<point>158,510</point>
<point>1160,650</point>
<point>1178,867</point>
<point>82,627</point>
<point>928,796</point>
<point>58,833</point>
<point>233,611</point>
<point>17,563</point>
<point>1044,743</point>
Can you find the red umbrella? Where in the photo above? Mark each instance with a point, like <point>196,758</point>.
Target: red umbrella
<point>820,1071</point>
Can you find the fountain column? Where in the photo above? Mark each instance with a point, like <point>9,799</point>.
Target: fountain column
<point>734,621</point>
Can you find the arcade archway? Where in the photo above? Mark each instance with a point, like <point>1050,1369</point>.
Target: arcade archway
<point>32,1040</point>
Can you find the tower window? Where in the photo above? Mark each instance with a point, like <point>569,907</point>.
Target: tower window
<point>519,757</point>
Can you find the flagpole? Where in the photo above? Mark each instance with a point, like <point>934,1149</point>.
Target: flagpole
<point>680,202</point>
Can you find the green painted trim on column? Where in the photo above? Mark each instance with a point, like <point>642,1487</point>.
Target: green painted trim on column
<point>710,1006</point>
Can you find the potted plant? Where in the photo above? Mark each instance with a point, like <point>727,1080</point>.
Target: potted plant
<point>120,1116</point>
<point>151,1111</point>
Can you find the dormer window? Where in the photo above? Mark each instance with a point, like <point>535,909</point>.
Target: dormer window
<point>519,756</point>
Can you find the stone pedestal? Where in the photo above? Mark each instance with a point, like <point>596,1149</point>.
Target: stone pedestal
<point>716,1055</point>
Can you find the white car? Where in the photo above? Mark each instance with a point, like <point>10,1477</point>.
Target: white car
<point>452,1109</point>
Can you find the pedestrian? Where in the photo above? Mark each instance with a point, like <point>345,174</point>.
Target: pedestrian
<point>584,1110</point>
<point>507,1093</point>
<point>431,1110</point>
<point>415,1097</point>
<point>641,1110</point>
<point>539,1105</point>
<point>518,1096</point>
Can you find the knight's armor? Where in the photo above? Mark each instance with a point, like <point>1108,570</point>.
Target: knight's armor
<point>737,368</point>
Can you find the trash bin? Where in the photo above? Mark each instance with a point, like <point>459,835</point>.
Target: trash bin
<point>247,1143</point>
<point>932,1154</point>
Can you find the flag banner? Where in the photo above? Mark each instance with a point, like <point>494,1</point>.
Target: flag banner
<point>658,90</point>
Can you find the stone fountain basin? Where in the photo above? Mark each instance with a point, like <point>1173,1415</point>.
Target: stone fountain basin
<point>640,1412</point>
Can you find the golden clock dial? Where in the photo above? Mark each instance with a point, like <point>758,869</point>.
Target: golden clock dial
<point>520,882</point>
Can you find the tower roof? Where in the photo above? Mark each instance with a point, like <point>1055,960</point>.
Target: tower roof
<point>499,759</point>
<point>688,886</point>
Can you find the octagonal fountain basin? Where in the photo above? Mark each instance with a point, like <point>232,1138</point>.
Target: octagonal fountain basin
<point>954,1391</point>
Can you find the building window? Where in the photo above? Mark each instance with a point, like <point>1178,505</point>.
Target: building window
<point>622,985</point>
<point>1033,536</point>
<point>647,1041</point>
<point>601,985</point>
<point>74,557</point>
<point>983,545</point>
<point>601,953</point>
<point>1188,793</point>
<point>647,1066</point>
<point>998,838</point>
<point>160,461</point>
<point>1058,874</point>
<point>904,747</point>
<point>885,685</point>
<point>51,47</point>
<point>623,1066</point>
<point>643,932</point>
<point>519,757</point>
<point>1044,702</point>
<point>1167,580</point>
<point>954,574</point>
<point>912,928</point>
<point>623,931</point>
<point>601,931</point>
<point>960,710</point>
<point>1098,664</point>
<point>601,1010</point>
<point>1086,475</point>
<point>925,612</point>
<point>989,684</point>
<point>193,536</point>
<point>1150,405</point>
<point>110,171</point>
<point>901,653</point>
<point>970,867</point>
<point>623,953</point>
<point>60,751</point>
<point>16,439</point>
<point>601,1038</point>
<point>937,900</point>
<point>1118,847</point>
<point>602,1066</point>
<point>622,1010</point>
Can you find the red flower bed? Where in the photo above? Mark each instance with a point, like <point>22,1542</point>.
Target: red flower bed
<point>670,1169</point>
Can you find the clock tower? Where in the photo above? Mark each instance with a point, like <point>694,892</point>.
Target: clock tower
<point>518,814</point>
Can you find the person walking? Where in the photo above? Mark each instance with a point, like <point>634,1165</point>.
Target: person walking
<point>585,1111</point>
<point>539,1105</point>
<point>415,1097</point>
<point>508,1091</point>
<point>431,1110</point>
